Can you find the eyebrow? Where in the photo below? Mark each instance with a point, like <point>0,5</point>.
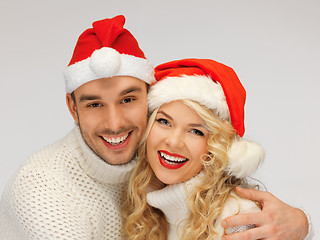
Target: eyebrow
<point>83,98</point>
<point>165,114</point>
<point>96,97</point>
<point>197,125</point>
<point>130,90</point>
<point>190,125</point>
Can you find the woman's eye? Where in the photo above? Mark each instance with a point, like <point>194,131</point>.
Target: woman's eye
<point>127,100</point>
<point>197,132</point>
<point>162,121</point>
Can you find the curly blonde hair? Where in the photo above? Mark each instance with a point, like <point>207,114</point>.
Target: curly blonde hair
<point>205,201</point>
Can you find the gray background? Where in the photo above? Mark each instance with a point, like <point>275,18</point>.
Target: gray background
<point>272,45</point>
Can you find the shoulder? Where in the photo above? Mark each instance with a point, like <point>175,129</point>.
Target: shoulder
<point>40,171</point>
<point>45,155</point>
<point>41,194</point>
<point>50,156</point>
<point>233,206</point>
<point>236,205</point>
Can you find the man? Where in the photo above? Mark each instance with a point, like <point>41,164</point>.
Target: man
<point>72,188</point>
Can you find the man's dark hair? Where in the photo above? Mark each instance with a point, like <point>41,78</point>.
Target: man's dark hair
<point>73,97</point>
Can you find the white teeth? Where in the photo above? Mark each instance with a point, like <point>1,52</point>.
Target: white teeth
<point>171,158</point>
<point>115,141</point>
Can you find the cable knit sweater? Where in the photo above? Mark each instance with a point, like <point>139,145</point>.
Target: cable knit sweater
<point>64,191</point>
<point>172,201</point>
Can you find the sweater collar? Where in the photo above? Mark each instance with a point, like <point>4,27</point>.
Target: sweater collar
<point>171,200</point>
<point>96,167</point>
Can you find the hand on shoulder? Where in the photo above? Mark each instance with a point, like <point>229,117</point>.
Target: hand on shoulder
<point>277,220</point>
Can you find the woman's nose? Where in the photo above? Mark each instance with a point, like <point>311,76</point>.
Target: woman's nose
<point>175,138</point>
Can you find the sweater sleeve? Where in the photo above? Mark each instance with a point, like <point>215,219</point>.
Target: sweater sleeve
<point>238,229</point>
<point>36,205</point>
<point>9,229</point>
<point>310,234</point>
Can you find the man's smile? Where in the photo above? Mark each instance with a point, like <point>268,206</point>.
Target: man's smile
<point>117,142</point>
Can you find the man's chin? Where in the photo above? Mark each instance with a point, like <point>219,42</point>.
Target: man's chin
<point>117,160</point>
<point>117,163</point>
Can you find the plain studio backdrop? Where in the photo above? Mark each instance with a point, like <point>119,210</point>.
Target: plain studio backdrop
<point>272,45</point>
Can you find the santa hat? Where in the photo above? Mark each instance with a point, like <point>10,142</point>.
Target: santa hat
<point>107,50</point>
<point>216,86</point>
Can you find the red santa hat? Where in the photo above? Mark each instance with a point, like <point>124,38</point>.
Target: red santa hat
<point>107,50</point>
<point>216,86</point>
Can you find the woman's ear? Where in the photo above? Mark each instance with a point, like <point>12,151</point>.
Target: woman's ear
<point>72,107</point>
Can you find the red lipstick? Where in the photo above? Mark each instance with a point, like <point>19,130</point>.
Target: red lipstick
<point>171,164</point>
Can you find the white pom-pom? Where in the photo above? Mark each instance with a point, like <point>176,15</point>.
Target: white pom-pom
<point>244,158</point>
<point>105,62</point>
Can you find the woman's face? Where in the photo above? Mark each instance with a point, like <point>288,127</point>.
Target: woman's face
<point>176,143</point>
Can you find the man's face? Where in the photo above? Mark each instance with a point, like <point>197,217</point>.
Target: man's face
<point>112,116</point>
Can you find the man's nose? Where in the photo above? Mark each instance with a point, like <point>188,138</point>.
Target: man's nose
<point>114,118</point>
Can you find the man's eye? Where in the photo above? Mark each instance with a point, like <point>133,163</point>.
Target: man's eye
<point>197,132</point>
<point>95,105</point>
<point>127,100</point>
<point>163,121</point>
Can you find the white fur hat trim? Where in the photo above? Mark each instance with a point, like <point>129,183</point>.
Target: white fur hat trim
<point>197,87</point>
<point>107,62</point>
<point>244,157</point>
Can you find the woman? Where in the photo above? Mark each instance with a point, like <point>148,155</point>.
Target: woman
<point>193,157</point>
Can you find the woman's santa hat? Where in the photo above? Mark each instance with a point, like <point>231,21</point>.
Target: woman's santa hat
<point>104,51</point>
<point>216,86</point>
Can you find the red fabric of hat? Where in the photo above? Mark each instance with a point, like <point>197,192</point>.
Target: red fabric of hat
<point>107,50</point>
<point>106,33</point>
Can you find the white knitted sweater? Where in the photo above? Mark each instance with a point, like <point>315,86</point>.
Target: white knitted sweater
<point>171,200</point>
<point>64,191</point>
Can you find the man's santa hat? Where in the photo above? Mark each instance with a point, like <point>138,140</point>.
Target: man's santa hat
<point>104,51</point>
<point>216,86</point>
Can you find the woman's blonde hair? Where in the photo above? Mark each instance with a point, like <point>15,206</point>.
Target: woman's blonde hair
<point>205,201</point>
